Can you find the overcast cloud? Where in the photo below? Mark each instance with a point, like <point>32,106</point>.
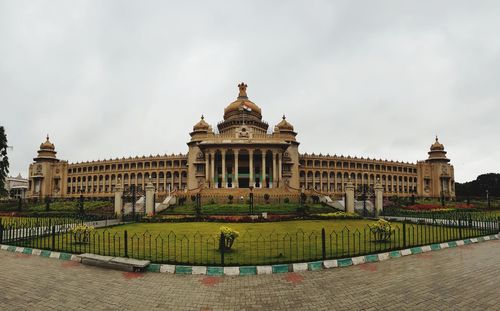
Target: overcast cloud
<point>366,78</point>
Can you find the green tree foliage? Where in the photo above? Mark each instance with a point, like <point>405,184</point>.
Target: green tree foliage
<point>478,187</point>
<point>4,161</point>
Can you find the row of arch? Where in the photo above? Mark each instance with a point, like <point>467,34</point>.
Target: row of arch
<point>336,181</point>
<point>358,166</point>
<point>105,183</point>
<point>129,166</point>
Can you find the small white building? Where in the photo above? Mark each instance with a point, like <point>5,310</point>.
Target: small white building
<point>16,187</point>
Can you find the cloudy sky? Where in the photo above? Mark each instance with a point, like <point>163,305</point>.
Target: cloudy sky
<point>366,78</point>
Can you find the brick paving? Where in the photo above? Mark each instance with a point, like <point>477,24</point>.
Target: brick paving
<point>461,278</point>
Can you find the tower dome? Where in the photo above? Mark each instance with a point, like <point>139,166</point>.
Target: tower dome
<point>47,145</point>
<point>437,153</point>
<point>201,126</point>
<point>284,125</point>
<point>47,152</point>
<point>242,105</point>
<point>242,112</point>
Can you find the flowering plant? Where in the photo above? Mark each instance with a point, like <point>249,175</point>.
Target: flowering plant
<point>81,233</point>
<point>229,235</point>
<point>382,230</point>
<point>342,215</point>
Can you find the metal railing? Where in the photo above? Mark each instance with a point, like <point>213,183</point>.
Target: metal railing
<point>249,248</point>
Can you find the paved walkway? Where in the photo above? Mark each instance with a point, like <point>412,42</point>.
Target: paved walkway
<point>462,278</point>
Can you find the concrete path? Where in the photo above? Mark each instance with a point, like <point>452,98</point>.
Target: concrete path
<point>461,278</point>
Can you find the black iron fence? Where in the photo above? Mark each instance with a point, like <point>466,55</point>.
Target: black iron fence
<point>249,248</point>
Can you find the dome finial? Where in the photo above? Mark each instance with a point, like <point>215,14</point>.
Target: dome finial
<point>47,137</point>
<point>284,117</point>
<point>436,138</point>
<point>202,117</point>
<point>243,90</point>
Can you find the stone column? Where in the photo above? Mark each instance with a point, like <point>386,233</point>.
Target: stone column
<point>274,170</point>
<point>223,183</point>
<point>212,169</point>
<point>349,191</point>
<point>263,170</point>
<point>207,171</point>
<point>379,198</point>
<point>118,199</point>
<point>250,161</point>
<point>235,177</point>
<point>150,192</point>
<point>280,168</point>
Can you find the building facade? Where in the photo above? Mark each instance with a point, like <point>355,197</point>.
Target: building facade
<point>16,187</point>
<point>242,153</point>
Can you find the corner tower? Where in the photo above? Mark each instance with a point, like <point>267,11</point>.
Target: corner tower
<point>47,173</point>
<point>435,175</point>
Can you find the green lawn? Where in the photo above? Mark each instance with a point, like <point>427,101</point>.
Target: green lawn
<point>243,209</point>
<point>259,243</point>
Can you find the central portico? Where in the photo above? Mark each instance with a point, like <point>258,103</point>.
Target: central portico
<point>243,153</point>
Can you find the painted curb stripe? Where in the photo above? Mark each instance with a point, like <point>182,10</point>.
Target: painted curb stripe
<point>371,258</point>
<point>395,254</point>
<point>183,270</point>
<point>313,266</point>
<point>252,270</point>
<point>344,262</point>
<point>215,271</point>
<point>435,247</point>
<point>45,253</point>
<point>280,268</point>
<point>153,267</point>
<point>416,250</point>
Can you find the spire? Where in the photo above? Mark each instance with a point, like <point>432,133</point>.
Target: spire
<point>243,90</point>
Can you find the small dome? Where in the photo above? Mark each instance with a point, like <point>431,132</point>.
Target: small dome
<point>437,145</point>
<point>284,125</point>
<point>202,125</point>
<point>47,144</point>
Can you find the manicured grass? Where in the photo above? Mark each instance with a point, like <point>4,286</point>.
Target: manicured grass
<point>258,243</point>
<point>243,209</point>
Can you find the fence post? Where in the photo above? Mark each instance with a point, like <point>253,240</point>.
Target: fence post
<point>404,233</point>
<point>221,247</point>
<point>1,233</point>
<point>323,243</point>
<point>53,238</point>
<point>125,237</point>
<point>460,228</point>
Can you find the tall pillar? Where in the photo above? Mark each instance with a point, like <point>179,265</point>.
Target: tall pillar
<point>118,199</point>
<point>349,191</point>
<point>223,183</point>
<point>150,192</point>
<point>250,161</point>
<point>212,169</point>
<point>207,172</point>
<point>275,180</point>
<point>280,169</point>
<point>263,170</point>
<point>235,177</point>
<point>379,198</point>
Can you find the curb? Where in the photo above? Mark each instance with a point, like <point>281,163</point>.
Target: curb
<point>269,269</point>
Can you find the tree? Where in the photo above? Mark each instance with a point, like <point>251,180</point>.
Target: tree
<point>4,161</point>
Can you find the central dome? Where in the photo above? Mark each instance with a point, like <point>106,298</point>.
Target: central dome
<point>242,105</point>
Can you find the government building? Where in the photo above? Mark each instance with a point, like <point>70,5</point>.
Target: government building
<point>243,154</point>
